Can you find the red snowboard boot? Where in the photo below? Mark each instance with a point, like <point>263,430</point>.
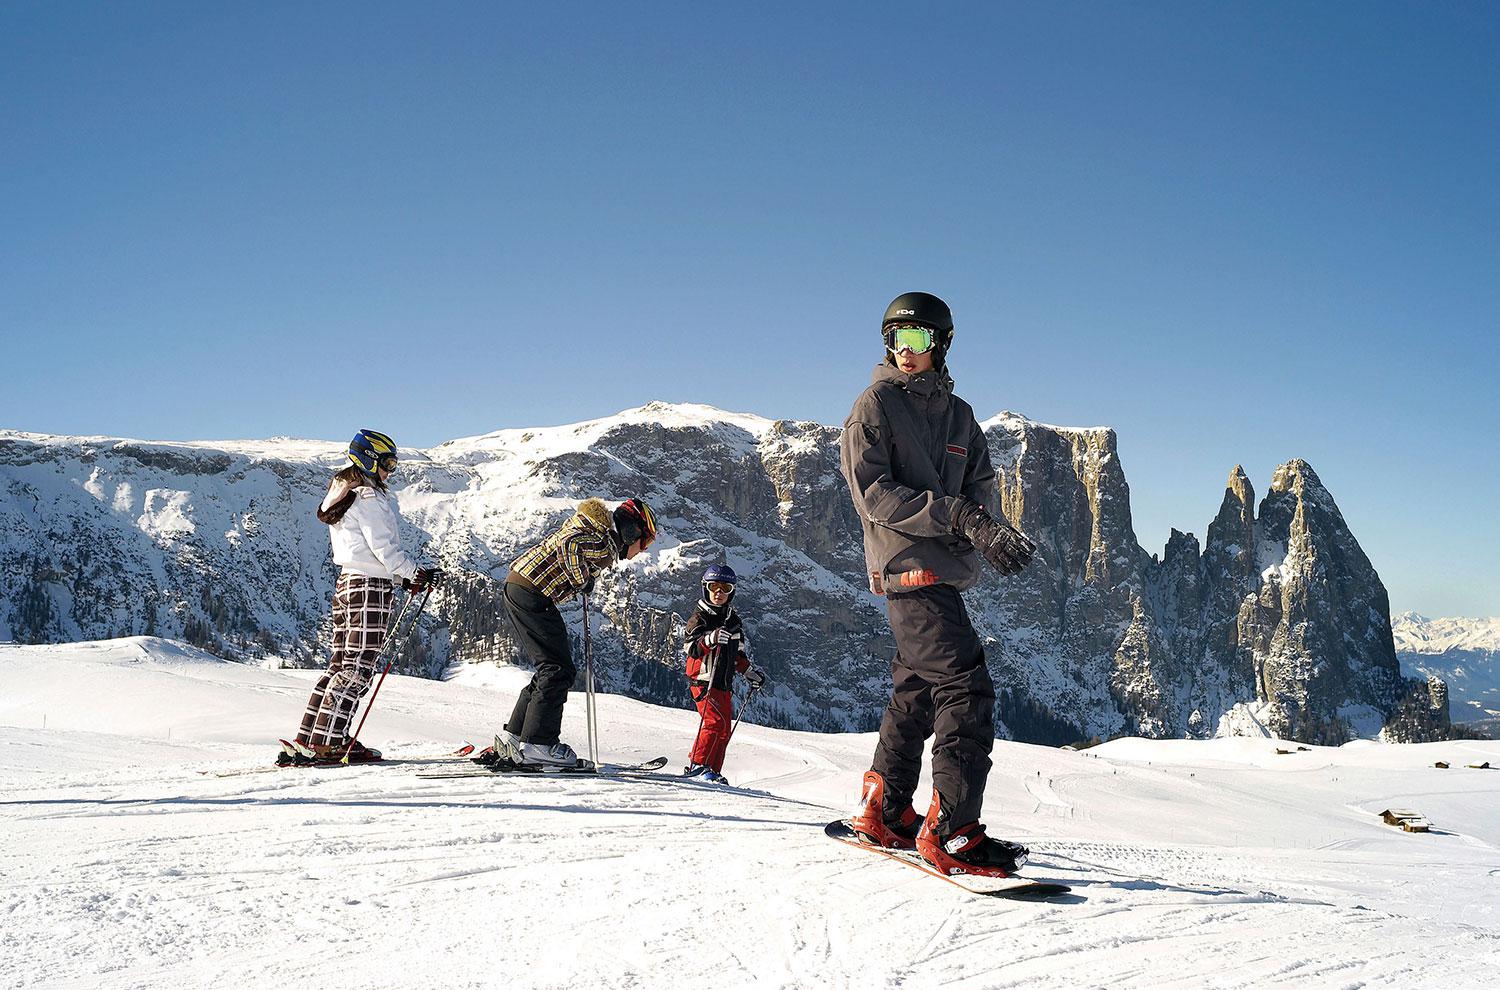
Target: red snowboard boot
<point>966,849</point>
<point>871,823</point>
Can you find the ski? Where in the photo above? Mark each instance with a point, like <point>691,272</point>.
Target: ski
<point>462,751</point>
<point>1011,887</point>
<point>582,768</point>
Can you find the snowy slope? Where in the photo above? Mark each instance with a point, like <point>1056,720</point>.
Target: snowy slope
<point>1195,864</point>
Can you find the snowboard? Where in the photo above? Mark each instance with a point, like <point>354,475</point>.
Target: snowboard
<point>1023,888</point>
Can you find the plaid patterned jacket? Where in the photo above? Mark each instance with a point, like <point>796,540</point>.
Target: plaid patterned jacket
<point>566,562</point>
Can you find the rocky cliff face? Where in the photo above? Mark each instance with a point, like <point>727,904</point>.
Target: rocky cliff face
<point>1277,614</point>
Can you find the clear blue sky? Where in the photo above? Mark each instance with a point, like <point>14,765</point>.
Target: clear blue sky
<point>1237,233</point>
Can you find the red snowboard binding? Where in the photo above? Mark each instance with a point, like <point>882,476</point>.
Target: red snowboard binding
<point>966,849</point>
<point>871,824</point>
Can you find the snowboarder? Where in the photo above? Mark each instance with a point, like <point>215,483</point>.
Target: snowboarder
<point>716,651</point>
<point>919,471</point>
<point>561,566</point>
<point>362,525</point>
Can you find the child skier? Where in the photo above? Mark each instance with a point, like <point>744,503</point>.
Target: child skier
<point>561,566</point>
<point>919,470</point>
<point>715,653</point>
<point>362,525</point>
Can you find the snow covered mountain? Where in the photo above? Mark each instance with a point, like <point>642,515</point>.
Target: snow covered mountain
<point>1464,653</point>
<point>1277,619</point>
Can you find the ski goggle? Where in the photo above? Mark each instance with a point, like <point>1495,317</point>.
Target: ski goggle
<point>720,588</point>
<point>918,340</point>
<point>386,462</point>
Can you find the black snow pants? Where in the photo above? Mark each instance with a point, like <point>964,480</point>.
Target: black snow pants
<point>537,717</point>
<point>941,687</point>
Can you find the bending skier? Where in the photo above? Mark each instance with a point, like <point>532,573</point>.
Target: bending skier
<point>362,524</point>
<point>561,566</point>
<point>919,471</point>
<point>715,653</point>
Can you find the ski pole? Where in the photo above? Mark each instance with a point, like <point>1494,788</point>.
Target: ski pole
<point>741,714</point>
<point>588,685</point>
<point>395,630</point>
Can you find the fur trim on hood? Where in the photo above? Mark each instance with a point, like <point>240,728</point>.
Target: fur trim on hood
<point>597,514</point>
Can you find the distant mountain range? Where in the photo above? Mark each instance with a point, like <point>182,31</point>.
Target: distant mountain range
<point>1463,652</point>
<point>1276,622</point>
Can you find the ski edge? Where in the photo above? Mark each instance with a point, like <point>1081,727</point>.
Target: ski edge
<point>582,769</point>
<point>462,751</point>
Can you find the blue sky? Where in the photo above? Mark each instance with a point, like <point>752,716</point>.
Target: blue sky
<point>1236,233</point>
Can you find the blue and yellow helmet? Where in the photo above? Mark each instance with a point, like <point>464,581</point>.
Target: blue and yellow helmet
<point>371,450</point>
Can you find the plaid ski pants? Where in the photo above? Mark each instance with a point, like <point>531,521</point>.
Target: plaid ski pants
<point>361,611</point>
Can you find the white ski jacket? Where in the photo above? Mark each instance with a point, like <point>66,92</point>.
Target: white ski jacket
<point>366,540</point>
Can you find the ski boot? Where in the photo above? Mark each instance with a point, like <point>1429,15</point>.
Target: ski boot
<point>965,849</point>
<point>715,777</point>
<point>295,753</point>
<point>508,746</point>
<point>558,754</point>
<point>873,824</point>
<point>694,770</point>
<point>355,752</point>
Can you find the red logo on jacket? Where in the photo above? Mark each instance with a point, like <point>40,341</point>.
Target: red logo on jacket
<point>954,448</point>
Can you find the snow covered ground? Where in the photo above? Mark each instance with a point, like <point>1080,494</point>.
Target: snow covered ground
<point>1218,864</point>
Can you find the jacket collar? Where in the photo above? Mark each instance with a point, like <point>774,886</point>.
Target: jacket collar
<point>925,384</point>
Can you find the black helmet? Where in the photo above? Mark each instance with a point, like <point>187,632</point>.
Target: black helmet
<point>919,307</point>
<point>923,309</point>
<point>634,521</point>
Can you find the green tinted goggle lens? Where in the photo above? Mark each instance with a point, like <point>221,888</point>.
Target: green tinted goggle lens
<point>918,340</point>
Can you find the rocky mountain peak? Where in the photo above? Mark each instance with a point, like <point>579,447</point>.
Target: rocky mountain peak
<point>217,544</point>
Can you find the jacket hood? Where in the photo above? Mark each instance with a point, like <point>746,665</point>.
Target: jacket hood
<point>596,515</point>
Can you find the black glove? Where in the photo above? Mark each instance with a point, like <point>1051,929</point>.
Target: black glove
<point>756,678</point>
<point>427,577</point>
<point>1007,550</point>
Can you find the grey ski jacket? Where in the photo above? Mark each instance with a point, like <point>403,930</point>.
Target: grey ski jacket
<point>909,446</point>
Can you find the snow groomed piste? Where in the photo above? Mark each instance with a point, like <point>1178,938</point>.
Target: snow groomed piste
<point>1191,863</point>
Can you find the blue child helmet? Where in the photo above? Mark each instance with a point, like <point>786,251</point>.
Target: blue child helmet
<point>719,574</point>
<point>369,449</point>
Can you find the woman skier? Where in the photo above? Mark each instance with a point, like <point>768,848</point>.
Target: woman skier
<point>715,653</point>
<point>362,525</point>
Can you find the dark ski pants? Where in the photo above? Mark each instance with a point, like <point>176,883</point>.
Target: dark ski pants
<point>941,687</point>
<point>537,717</point>
<point>361,610</point>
